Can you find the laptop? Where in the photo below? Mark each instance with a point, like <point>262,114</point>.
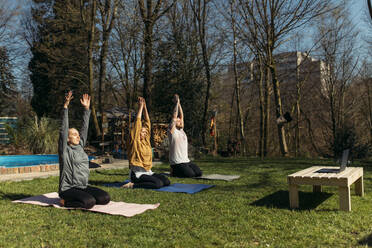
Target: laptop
<point>345,157</point>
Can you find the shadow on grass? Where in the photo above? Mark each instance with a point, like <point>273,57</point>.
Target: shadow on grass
<point>103,183</point>
<point>280,199</point>
<point>366,241</point>
<point>12,197</point>
<point>108,173</point>
<point>161,170</point>
<point>246,166</point>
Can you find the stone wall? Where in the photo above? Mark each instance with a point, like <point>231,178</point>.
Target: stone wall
<point>29,169</point>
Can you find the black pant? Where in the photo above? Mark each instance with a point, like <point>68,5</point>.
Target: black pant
<point>84,198</point>
<point>186,170</point>
<point>155,181</point>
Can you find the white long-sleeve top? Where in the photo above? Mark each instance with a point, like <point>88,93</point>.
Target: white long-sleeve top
<point>178,152</point>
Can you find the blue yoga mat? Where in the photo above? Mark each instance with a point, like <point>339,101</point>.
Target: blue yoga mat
<point>185,188</point>
<point>176,187</point>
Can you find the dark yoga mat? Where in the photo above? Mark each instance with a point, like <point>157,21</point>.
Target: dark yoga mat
<point>175,188</point>
<point>211,177</point>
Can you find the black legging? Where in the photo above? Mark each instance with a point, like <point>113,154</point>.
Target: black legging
<point>186,170</point>
<point>84,198</point>
<point>155,181</point>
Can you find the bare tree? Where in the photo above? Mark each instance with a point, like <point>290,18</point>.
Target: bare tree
<point>178,67</point>
<point>264,99</point>
<point>126,55</point>
<point>336,49</point>
<point>7,14</point>
<point>270,23</point>
<point>255,71</point>
<point>12,38</point>
<point>108,12</point>
<point>236,77</point>
<point>150,13</point>
<point>88,16</point>
<point>365,107</point>
<point>200,9</point>
<point>126,59</point>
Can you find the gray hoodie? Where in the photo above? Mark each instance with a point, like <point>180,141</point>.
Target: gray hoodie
<point>73,161</point>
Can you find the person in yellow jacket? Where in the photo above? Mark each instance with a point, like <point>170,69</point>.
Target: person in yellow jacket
<point>140,153</point>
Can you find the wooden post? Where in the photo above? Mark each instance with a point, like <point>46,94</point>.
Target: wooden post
<point>293,196</point>
<point>344,193</point>
<point>359,188</point>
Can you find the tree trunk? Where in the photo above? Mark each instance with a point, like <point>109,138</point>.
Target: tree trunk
<point>369,117</point>
<point>107,25</point>
<point>278,107</point>
<point>91,37</point>
<point>91,69</point>
<point>147,77</point>
<point>102,86</point>
<point>267,113</point>
<point>237,86</point>
<point>149,14</point>
<point>237,83</point>
<point>215,145</point>
<point>200,17</point>
<point>231,113</point>
<point>209,83</point>
<point>333,117</point>
<point>262,109</point>
<point>297,130</point>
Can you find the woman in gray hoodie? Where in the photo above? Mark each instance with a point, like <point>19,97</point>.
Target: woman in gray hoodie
<point>74,163</point>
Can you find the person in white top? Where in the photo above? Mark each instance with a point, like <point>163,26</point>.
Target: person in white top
<point>181,166</point>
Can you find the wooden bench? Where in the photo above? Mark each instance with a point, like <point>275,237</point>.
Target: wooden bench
<point>343,180</point>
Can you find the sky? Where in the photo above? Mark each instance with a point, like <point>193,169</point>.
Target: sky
<point>361,18</point>
<point>358,14</point>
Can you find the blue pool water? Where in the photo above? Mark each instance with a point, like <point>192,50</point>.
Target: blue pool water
<point>29,160</point>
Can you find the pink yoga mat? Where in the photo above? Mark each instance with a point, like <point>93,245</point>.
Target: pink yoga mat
<point>113,208</point>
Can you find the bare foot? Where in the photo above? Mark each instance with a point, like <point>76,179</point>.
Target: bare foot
<point>62,202</point>
<point>128,185</point>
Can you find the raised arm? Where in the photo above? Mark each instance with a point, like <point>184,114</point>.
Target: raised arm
<point>146,114</point>
<point>85,101</point>
<point>172,126</point>
<point>135,131</point>
<point>180,112</point>
<point>147,122</point>
<point>63,132</point>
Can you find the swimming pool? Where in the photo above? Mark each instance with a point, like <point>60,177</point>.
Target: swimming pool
<point>12,161</point>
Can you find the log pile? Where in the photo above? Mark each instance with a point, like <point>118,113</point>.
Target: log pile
<point>159,133</point>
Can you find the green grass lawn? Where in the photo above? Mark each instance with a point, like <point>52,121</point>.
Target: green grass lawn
<point>252,211</point>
